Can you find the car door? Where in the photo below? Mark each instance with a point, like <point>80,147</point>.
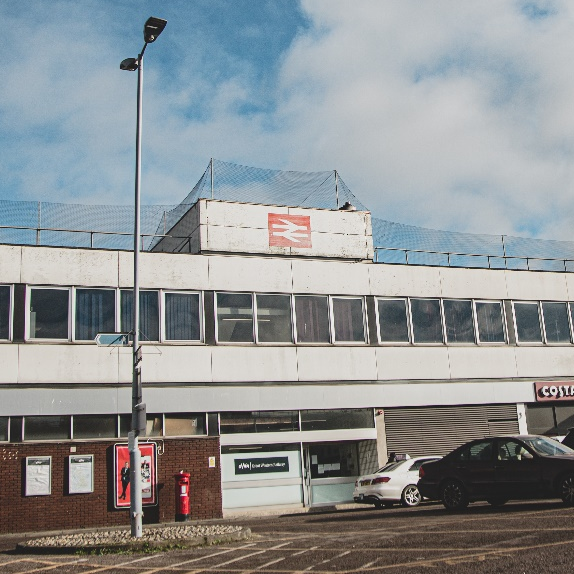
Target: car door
<point>518,471</point>
<point>474,466</point>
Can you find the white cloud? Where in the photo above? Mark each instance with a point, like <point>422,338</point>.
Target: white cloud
<point>445,114</point>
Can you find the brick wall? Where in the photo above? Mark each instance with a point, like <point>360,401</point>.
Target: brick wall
<point>60,510</point>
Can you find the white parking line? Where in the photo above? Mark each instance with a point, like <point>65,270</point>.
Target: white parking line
<point>270,563</point>
<point>306,550</point>
<point>328,560</point>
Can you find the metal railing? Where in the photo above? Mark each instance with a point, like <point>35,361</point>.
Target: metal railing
<point>400,256</point>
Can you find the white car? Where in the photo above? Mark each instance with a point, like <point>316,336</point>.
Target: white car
<point>394,482</point>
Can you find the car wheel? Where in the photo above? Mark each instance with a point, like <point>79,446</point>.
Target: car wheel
<point>411,496</point>
<point>497,501</point>
<point>453,495</point>
<point>378,505</point>
<point>566,489</point>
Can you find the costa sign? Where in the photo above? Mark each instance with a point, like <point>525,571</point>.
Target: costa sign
<point>554,392</point>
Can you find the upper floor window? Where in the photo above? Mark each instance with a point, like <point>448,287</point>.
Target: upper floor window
<point>312,313</point>
<point>274,323</point>
<point>49,313</point>
<point>149,313</point>
<point>234,318</point>
<point>427,321</point>
<point>348,319</point>
<point>182,316</point>
<point>95,313</point>
<point>556,323</point>
<point>458,319</point>
<point>5,307</point>
<point>527,322</point>
<point>393,320</point>
<point>489,322</point>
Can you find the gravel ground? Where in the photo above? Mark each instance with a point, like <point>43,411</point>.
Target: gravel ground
<point>114,537</point>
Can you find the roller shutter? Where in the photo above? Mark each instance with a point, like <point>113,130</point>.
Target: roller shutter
<point>438,430</point>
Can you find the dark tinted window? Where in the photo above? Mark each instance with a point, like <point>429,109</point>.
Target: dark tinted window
<point>527,321</point>
<point>4,311</point>
<point>458,321</point>
<point>49,313</point>
<point>312,312</point>
<point>489,322</point>
<point>556,324</point>
<point>476,451</point>
<point>393,324</point>
<point>426,318</point>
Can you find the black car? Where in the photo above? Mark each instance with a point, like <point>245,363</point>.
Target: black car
<point>497,469</point>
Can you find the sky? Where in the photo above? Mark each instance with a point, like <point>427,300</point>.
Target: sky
<point>444,114</point>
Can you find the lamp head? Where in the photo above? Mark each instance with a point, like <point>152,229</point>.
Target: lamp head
<point>153,28</point>
<point>130,64</point>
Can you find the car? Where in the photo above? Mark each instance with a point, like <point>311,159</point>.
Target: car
<point>394,482</point>
<point>498,469</point>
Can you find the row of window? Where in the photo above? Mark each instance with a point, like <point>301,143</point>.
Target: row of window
<point>82,427</point>
<point>79,314</point>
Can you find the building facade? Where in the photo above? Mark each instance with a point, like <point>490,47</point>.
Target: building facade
<point>279,361</point>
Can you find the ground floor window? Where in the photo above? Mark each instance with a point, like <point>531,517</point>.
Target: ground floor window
<point>550,419</point>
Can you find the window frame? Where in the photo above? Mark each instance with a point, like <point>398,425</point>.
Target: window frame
<point>216,318</point>
<point>540,324</point>
<point>472,318</point>
<point>333,334</point>
<point>27,319</point>
<point>291,319</point>
<point>441,316</point>
<point>10,311</point>
<point>329,325</point>
<point>502,318</point>
<point>162,317</point>
<point>407,317</point>
<point>543,324</point>
<point>73,306</point>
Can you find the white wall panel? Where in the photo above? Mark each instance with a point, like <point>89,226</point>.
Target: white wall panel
<point>473,283</point>
<point>249,274</point>
<point>330,277</point>
<point>165,270</point>
<point>545,361</point>
<point>404,280</point>
<point>45,363</point>
<point>9,362</point>
<point>230,214</point>
<point>536,285</point>
<point>207,398</point>
<point>337,363</point>
<point>10,262</point>
<point>176,363</point>
<point>482,362</point>
<point>54,266</point>
<point>244,363</point>
<point>412,363</point>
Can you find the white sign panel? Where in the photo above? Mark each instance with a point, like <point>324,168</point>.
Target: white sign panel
<point>38,475</point>
<point>81,473</point>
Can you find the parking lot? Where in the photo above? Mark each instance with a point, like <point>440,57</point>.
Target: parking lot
<point>517,538</point>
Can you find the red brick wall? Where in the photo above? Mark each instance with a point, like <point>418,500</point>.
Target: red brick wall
<point>60,510</point>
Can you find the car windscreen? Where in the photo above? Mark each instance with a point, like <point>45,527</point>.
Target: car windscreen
<point>546,446</point>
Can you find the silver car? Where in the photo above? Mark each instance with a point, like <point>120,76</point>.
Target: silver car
<point>394,482</point>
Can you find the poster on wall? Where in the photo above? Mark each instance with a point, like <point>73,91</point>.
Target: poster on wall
<point>81,473</point>
<point>122,487</point>
<point>38,475</point>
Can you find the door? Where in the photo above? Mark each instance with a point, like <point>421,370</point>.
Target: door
<point>518,471</point>
<point>331,470</point>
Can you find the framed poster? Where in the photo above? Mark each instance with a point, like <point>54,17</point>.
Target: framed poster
<point>80,473</point>
<point>38,475</point>
<point>122,487</point>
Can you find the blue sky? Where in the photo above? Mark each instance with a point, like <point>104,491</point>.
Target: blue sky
<point>445,114</point>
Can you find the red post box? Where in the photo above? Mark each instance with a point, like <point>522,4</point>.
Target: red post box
<point>182,512</point>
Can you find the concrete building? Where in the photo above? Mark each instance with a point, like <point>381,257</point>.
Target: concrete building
<point>279,361</point>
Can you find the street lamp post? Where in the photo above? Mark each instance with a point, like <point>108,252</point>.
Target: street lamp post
<point>152,29</point>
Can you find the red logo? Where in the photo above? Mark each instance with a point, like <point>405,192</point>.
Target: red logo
<point>289,230</point>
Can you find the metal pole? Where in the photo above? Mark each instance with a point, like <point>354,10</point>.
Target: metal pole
<point>337,188</point>
<point>135,455</point>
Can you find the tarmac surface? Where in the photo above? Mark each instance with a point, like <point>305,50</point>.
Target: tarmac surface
<point>518,538</point>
